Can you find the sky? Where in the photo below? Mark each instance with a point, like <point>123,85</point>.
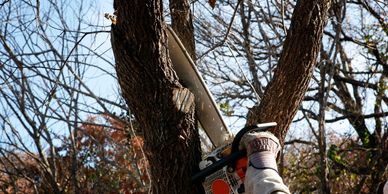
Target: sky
<point>106,86</point>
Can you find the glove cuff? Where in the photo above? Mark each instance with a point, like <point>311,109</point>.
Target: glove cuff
<point>263,160</point>
<point>263,144</point>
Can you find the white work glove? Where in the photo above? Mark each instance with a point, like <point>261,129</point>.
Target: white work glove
<point>262,149</point>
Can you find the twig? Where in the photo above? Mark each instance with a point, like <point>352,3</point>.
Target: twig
<point>2,4</point>
<point>242,72</point>
<point>226,35</point>
<point>282,12</point>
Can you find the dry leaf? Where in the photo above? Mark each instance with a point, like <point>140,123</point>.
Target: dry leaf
<point>212,3</point>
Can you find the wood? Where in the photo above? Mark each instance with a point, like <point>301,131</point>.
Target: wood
<point>207,111</point>
<point>149,85</point>
<point>285,92</point>
<point>152,92</point>
<point>182,24</point>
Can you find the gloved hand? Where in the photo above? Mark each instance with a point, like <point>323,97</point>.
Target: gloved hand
<point>262,149</point>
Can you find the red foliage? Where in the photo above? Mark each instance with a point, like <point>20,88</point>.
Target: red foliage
<point>109,159</point>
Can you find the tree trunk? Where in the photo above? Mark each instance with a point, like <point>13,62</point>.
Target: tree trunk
<point>285,92</point>
<point>163,108</point>
<point>182,23</point>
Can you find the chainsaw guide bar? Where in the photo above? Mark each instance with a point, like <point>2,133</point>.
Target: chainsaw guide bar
<point>219,172</point>
<point>207,111</point>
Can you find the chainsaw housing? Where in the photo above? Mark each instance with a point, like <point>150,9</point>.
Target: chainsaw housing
<point>222,181</point>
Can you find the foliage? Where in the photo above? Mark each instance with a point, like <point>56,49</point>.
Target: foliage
<point>348,166</point>
<point>113,161</point>
<point>109,160</point>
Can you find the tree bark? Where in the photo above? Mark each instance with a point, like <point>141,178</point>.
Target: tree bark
<point>182,23</point>
<point>324,90</point>
<point>163,108</point>
<point>285,92</point>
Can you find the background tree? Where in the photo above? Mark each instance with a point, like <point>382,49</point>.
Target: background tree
<point>48,69</point>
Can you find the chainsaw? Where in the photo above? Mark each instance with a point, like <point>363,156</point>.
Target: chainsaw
<point>222,171</point>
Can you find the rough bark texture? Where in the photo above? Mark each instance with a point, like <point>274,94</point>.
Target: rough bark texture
<point>163,108</point>
<point>285,92</point>
<point>182,23</point>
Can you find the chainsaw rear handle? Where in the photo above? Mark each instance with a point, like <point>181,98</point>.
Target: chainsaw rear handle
<point>241,133</point>
<point>235,155</point>
<point>232,158</point>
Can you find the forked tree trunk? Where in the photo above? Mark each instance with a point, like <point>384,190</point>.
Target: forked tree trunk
<point>163,108</point>
<point>155,96</point>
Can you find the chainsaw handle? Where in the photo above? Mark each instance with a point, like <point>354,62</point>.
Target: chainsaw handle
<point>241,133</point>
<point>229,160</point>
<point>232,158</point>
<point>235,155</point>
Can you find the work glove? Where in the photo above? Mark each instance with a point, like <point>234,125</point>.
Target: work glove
<point>262,149</point>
